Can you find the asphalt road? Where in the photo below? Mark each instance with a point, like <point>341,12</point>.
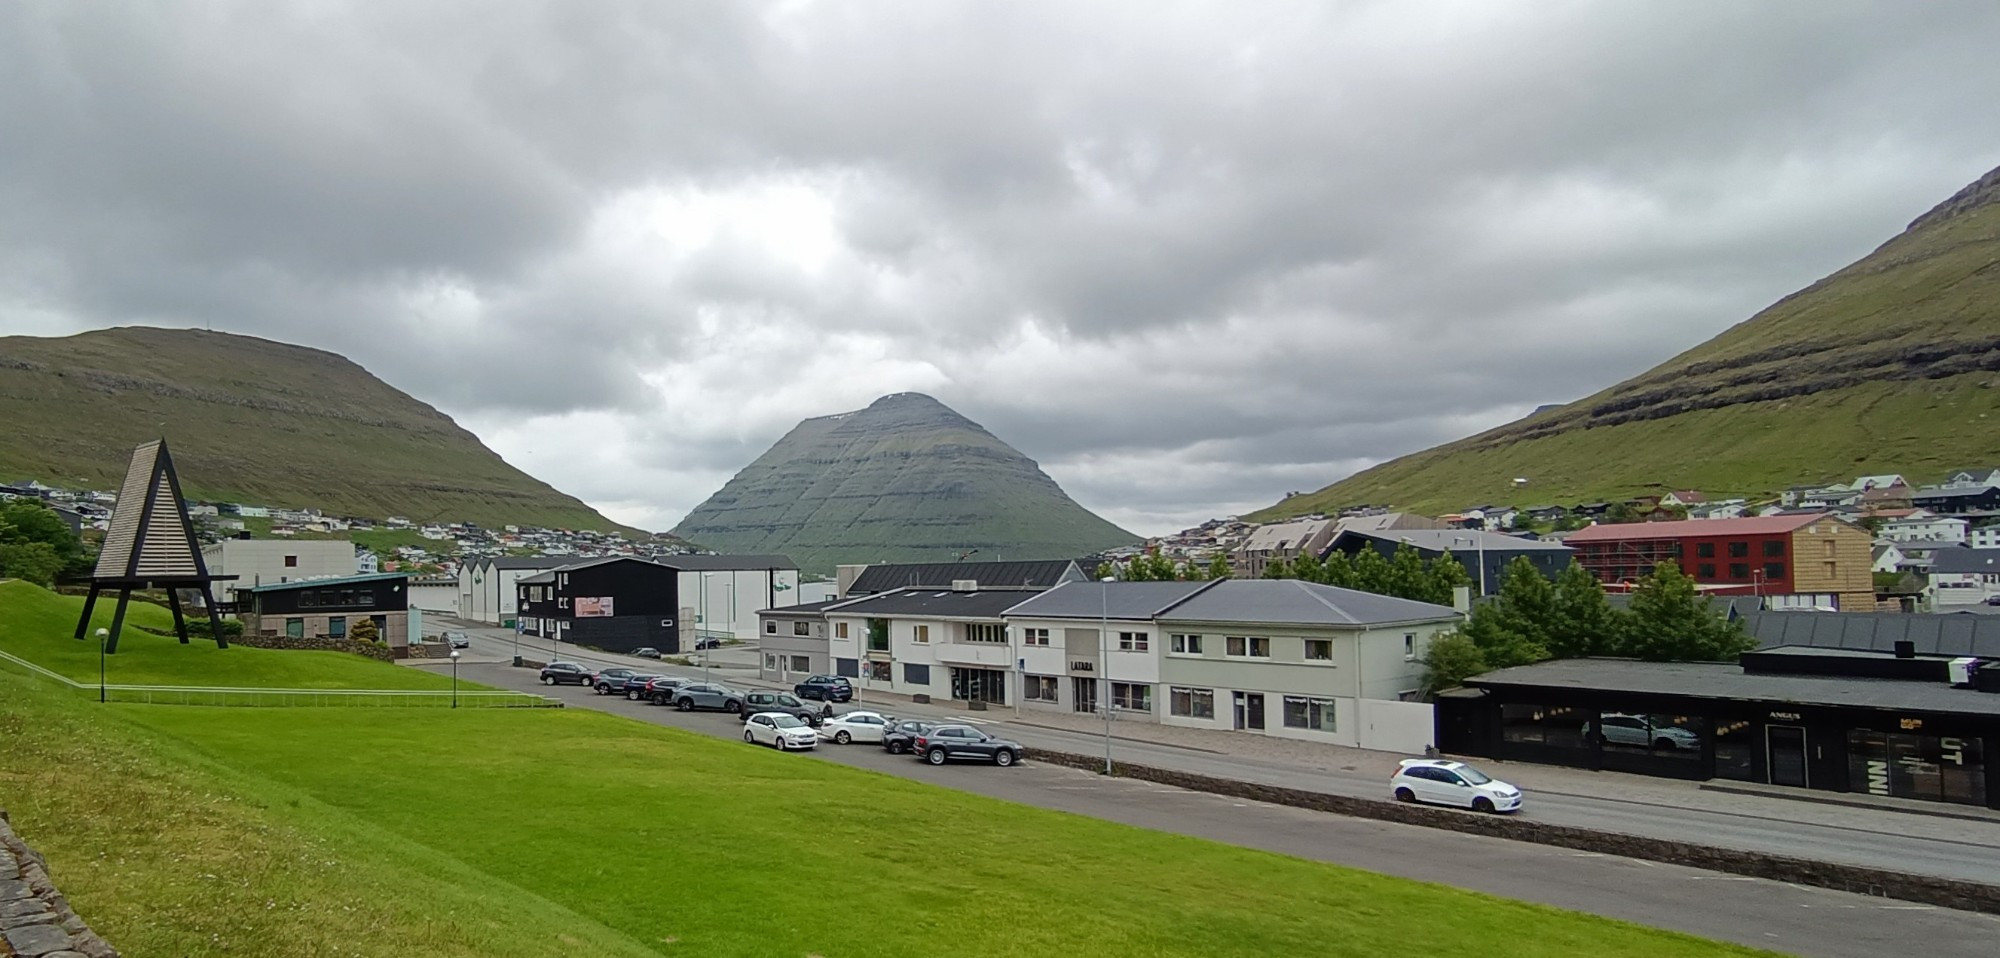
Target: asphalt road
<point>1798,920</point>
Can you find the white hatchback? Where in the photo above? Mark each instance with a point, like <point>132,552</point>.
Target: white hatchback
<point>1442,782</point>
<point>780,730</point>
<point>854,727</point>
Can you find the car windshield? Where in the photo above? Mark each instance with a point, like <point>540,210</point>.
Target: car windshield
<point>786,721</point>
<point>1473,775</point>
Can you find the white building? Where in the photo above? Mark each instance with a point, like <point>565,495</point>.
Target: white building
<point>943,643</point>
<point>435,593</point>
<point>1923,526</point>
<point>366,562</point>
<point>1984,537</point>
<point>257,562</point>
<point>486,585</point>
<point>723,594</point>
<point>1964,577</point>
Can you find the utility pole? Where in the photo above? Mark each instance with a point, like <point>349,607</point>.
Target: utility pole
<point>1104,664</point>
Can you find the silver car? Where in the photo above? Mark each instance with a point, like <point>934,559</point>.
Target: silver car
<point>705,695</point>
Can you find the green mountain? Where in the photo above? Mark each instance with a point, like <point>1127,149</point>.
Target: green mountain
<point>255,421</point>
<point>905,479</point>
<point>1888,365</point>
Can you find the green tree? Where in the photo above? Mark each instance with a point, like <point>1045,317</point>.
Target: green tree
<point>24,521</point>
<point>1371,571</point>
<point>1218,566</point>
<point>1671,621</point>
<point>1584,623</point>
<point>1106,570</point>
<point>1277,569</point>
<point>1451,659</point>
<point>1442,578</point>
<point>35,562</point>
<point>1406,578</point>
<point>1513,628</point>
<point>1621,512</point>
<point>1307,567</point>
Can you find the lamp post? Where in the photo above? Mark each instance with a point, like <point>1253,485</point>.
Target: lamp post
<point>454,678</point>
<point>103,636</point>
<point>1479,544</point>
<point>1104,663</point>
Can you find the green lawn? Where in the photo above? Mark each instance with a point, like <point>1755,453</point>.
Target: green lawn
<point>37,625</point>
<point>575,832</point>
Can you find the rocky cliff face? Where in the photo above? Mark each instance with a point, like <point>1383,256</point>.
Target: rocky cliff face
<point>906,479</point>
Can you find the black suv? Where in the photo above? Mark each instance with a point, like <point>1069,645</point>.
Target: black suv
<point>635,685</point>
<point>900,736</point>
<point>660,691</point>
<point>826,688</point>
<point>754,702</point>
<point>945,743</point>
<point>565,673</point>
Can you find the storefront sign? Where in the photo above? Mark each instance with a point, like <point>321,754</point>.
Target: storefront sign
<point>1083,666</point>
<point>1784,716</point>
<point>1911,725</point>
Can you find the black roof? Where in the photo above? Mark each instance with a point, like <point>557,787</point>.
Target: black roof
<point>530,562</point>
<point>983,603</point>
<point>550,576</point>
<point>1045,574</point>
<point>1722,682</point>
<point>803,608</point>
<point>1941,634</point>
<point>743,563</point>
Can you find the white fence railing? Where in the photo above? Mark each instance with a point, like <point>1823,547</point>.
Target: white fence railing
<point>291,698</point>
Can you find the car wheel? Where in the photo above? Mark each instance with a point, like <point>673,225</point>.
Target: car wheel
<point>732,707</point>
<point>1481,804</point>
<point>1405,796</point>
<point>659,698</point>
<point>779,744</point>
<point>895,748</point>
<point>935,756</point>
<point>1663,745</point>
<point>752,739</point>
<point>842,737</point>
<point>685,705</point>
<point>548,680</point>
<point>1004,757</point>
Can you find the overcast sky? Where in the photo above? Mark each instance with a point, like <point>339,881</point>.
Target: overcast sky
<point>1188,257</point>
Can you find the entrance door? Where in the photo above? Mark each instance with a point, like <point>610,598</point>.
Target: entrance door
<point>1786,746</point>
<point>1084,694</point>
<point>1249,710</point>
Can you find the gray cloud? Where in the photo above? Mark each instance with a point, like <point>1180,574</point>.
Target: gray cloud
<point>1189,256</point>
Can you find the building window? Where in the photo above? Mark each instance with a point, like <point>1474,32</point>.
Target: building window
<point>1705,570</point>
<point>1774,570</point>
<point>1131,641</point>
<point>1309,713</point>
<point>875,671</point>
<point>840,630</point>
<point>1038,688</point>
<point>1191,703</point>
<point>336,626</point>
<point>1831,570</point>
<point>801,628</point>
<point>291,562</point>
<point>878,636</point>
<point>1035,637</point>
<point>1132,696</point>
<point>921,635</point>
<point>916,674</point>
<point>1186,644</point>
<point>1739,570</point>
<point>1252,646</point>
<point>296,628</point>
<point>770,662</point>
<point>1704,550</point>
<point>986,632</point>
<point>1774,548</point>
<point>802,663</point>
<point>771,627</point>
<point>1319,650</point>
<point>849,668</point>
<point>562,602</point>
<point>1739,550</point>
<point>1409,646</point>
<point>979,685</point>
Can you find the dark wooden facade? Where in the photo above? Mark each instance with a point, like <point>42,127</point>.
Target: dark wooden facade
<point>643,599</point>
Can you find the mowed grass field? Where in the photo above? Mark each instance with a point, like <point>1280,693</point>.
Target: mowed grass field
<point>37,625</point>
<point>181,830</point>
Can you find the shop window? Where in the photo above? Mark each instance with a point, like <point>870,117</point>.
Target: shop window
<point>1928,768</point>
<point>1521,723</point>
<point>1038,688</point>
<point>1735,750</point>
<point>802,663</point>
<point>915,674</point>
<point>1665,736</point>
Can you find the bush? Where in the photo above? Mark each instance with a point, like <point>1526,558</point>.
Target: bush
<point>365,631</point>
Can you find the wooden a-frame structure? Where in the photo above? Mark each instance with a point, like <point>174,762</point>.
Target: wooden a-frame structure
<point>150,544</point>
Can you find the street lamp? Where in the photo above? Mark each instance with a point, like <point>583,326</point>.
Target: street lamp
<point>1480,543</point>
<point>103,637</point>
<point>1104,662</point>
<point>454,678</point>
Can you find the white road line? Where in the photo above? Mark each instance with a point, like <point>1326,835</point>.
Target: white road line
<point>1720,878</point>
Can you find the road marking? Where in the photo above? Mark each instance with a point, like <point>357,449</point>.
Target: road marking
<point>1907,907</point>
<point>1720,878</point>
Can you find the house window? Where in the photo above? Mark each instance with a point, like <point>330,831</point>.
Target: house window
<point>915,674</point>
<point>1185,644</point>
<point>1038,688</point>
<point>985,632</point>
<point>921,635</point>
<point>1319,650</point>
<point>1409,646</point>
<point>1826,548</point>
<point>1774,570</point>
<point>771,627</point>
<point>1131,641</point>
<point>1132,696</point>
<point>878,636</point>
<point>562,580</point>
<point>840,630</point>
<point>336,626</point>
<point>770,662</point>
<point>1739,570</point>
<point>1774,548</point>
<point>1191,703</point>
<point>1035,637</point>
<point>1739,550</point>
<point>801,628</point>
<point>296,628</point>
<point>1704,550</point>
<point>1830,570</point>
<point>562,602</point>
<point>1252,646</point>
<point>1311,714</point>
<point>291,562</point>
<point>875,671</point>
<point>802,663</point>
<point>1705,570</point>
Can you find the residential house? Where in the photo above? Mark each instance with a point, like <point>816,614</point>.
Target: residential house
<point>366,562</point>
<point>1888,557</point>
<point>1546,514</point>
<point>1865,483</point>
<point>1720,509</point>
<point>948,643</point>
<point>1923,526</point>
<point>1485,555</point>
<point>1814,560</point>
<point>1083,645</point>
<point>1973,477</point>
<point>794,642</point>
<point>1386,522</point>
<point>248,512</point>
<point>1491,518</point>
<point>256,562</point>
<point>1964,501</point>
<point>1592,510</point>
<point>1281,541</point>
<point>1887,497</point>
<point>616,604</point>
<point>329,608</point>
<point>1829,497</point>
<point>1964,577</point>
<point>1984,537</point>
<point>1684,498</point>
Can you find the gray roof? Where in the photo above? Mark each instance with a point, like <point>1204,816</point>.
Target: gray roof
<point>530,562</point>
<point>1730,683</point>
<point>1291,602</point>
<point>1943,634</point>
<point>575,564</point>
<point>1046,574</point>
<point>1725,607</point>
<point>1458,540</point>
<point>743,563</point>
<point>812,609</point>
<point>333,580</point>
<point>982,603</point>
<point>1113,600</point>
<point>1953,560</point>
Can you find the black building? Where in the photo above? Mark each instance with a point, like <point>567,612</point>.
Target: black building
<point>1485,555</point>
<point>1959,500</point>
<point>616,604</point>
<point>329,608</point>
<point>1834,719</point>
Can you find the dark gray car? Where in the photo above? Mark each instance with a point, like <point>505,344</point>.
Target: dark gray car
<point>954,743</point>
<point>786,702</point>
<point>704,695</point>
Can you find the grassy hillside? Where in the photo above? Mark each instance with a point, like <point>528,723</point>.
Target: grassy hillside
<point>254,420</point>
<point>1889,365</point>
<point>191,831</point>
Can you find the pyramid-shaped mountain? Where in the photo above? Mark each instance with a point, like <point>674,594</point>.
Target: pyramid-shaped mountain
<point>1889,365</point>
<point>904,480</point>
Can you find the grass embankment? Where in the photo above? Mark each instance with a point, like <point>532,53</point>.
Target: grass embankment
<point>37,625</point>
<point>186,830</point>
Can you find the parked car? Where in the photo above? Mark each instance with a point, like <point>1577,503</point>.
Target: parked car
<point>780,730</point>
<point>708,644</point>
<point>854,727</point>
<point>1441,782</point>
<point>754,702</point>
<point>1641,731</point>
<point>660,691</point>
<point>457,640</point>
<point>900,735</point>
<point>635,685</point>
<point>565,673</point>
<point>945,743</point>
<point>608,681</point>
<point>826,688</point>
<point>703,695</point>
<point>647,653</point>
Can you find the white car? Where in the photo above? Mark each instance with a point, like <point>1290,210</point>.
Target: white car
<point>1441,782</point>
<point>779,730</point>
<point>854,727</point>
<point>1640,731</point>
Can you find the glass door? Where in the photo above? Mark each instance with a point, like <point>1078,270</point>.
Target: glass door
<point>1084,692</point>
<point>1787,751</point>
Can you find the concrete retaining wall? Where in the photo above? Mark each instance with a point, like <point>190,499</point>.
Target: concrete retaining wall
<point>35,920</point>
<point>1945,892</point>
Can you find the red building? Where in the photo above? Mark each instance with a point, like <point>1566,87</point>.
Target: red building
<point>1815,554</point>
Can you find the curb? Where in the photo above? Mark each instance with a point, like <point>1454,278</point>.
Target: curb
<point>1942,892</point>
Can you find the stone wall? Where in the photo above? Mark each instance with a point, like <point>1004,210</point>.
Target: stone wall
<point>314,644</point>
<point>35,920</point>
<point>1945,892</point>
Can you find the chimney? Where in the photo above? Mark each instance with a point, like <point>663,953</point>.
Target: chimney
<point>1906,649</point>
<point>964,585</point>
<point>1461,598</point>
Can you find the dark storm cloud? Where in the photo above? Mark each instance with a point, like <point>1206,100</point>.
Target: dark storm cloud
<point>1189,256</point>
